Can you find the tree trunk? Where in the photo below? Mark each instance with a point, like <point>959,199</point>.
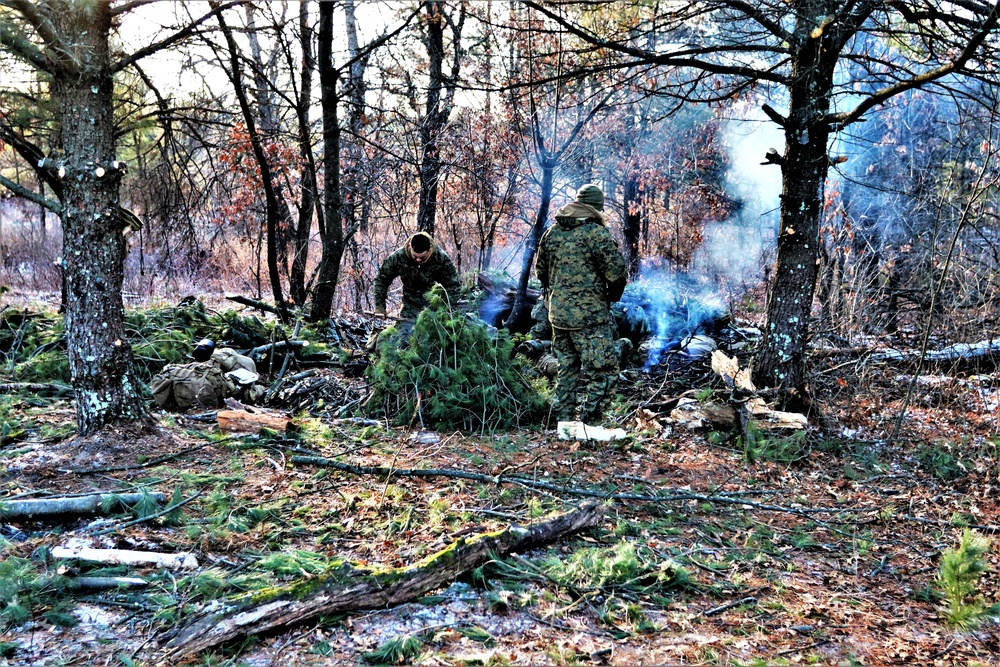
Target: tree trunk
<point>270,128</point>
<point>267,180</point>
<point>781,359</point>
<point>94,249</point>
<point>520,311</point>
<point>433,121</point>
<point>297,278</point>
<point>356,203</point>
<point>332,232</point>
<point>351,590</point>
<point>632,226</point>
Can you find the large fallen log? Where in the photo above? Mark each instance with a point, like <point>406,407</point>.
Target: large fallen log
<point>350,589</point>
<point>89,504</point>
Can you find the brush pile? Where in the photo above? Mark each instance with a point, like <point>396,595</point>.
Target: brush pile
<point>453,371</point>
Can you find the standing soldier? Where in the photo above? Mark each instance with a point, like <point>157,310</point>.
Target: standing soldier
<point>582,272</point>
<point>419,265</point>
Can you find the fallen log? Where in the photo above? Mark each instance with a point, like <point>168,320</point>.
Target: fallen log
<point>985,352</point>
<point>253,303</point>
<point>352,590</point>
<point>91,504</point>
<point>178,561</point>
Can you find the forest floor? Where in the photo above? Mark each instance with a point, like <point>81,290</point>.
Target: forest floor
<point>821,550</point>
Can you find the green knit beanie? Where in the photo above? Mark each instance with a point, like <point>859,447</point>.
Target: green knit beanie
<point>591,195</point>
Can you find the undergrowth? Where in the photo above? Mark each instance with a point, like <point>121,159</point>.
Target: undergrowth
<point>33,345</point>
<point>961,569</point>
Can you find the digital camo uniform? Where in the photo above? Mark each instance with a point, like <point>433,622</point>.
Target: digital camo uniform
<point>583,272</point>
<point>417,279</point>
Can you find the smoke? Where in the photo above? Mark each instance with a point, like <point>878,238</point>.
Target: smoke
<point>682,303</point>
<point>672,306</point>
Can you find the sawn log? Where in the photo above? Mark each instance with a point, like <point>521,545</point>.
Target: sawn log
<point>350,590</point>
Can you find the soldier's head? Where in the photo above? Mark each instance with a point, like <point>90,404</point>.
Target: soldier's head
<point>591,195</point>
<point>421,246</point>
<point>203,349</point>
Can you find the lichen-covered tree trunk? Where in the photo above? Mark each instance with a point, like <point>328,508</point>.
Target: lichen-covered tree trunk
<point>100,359</point>
<point>781,359</point>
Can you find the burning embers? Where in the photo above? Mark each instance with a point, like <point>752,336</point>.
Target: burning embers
<point>671,320</point>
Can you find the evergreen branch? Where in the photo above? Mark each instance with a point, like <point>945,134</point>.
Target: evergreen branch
<point>19,46</point>
<point>163,512</point>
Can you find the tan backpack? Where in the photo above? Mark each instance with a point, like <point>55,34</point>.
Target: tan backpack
<point>230,360</point>
<point>186,386</point>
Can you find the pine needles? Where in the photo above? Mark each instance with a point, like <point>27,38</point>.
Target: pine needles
<point>452,372</point>
<point>960,572</point>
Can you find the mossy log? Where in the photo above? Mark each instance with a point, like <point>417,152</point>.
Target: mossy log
<point>351,590</point>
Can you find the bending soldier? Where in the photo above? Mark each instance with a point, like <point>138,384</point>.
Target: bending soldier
<point>419,265</point>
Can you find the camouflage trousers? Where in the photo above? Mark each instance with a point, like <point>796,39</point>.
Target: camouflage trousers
<point>588,365</point>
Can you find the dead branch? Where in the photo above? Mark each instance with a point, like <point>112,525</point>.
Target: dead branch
<point>353,590</point>
<point>11,387</point>
<point>178,561</point>
<point>90,504</point>
<point>573,491</point>
<point>730,605</point>
<point>253,303</point>
<point>145,464</point>
<point>982,351</point>
<point>261,350</point>
<point>105,583</point>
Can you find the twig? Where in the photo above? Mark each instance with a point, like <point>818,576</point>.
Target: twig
<point>943,651</point>
<point>821,642</point>
<point>730,605</point>
<point>993,530</point>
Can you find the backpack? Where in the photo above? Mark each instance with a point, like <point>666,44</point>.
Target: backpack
<point>184,386</point>
<point>229,360</point>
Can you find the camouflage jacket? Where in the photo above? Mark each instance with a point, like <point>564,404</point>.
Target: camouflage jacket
<point>580,268</point>
<point>417,279</point>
